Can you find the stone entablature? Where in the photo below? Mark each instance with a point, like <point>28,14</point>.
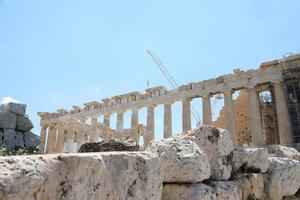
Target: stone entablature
<point>268,73</point>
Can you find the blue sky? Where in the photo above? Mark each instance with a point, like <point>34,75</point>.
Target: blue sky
<point>59,53</point>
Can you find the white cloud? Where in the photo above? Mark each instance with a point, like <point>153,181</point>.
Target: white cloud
<point>6,100</point>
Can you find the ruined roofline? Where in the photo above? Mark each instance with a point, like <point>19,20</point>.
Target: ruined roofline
<point>268,72</point>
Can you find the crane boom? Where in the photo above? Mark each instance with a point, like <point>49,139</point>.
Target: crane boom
<point>171,80</point>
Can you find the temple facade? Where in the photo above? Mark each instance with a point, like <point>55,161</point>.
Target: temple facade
<point>266,111</point>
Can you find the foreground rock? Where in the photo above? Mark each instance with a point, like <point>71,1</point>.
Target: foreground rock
<point>250,186</point>
<point>196,191</point>
<point>112,145</point>
<point>225,190</point>
<point>282,178</point>
<point>217,145</point>
<point>109,175</point>
<point>181,160</point>
<point>283,151</point>
<point>249,160</point>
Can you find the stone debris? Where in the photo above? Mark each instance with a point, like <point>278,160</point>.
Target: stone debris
<point>283,151</point>
<point>15,128</point>
<point>181,160</point>
<point>106,175</point>
<point>198,191</point>
<point>217,145</point>
<point>111,145</point>
<point>283,178</point>
<point>250,160</point>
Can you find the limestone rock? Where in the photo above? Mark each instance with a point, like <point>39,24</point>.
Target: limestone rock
<point>250,160</point>
<point>31,140</point>
<point>19,142</point>
<point>1,137</point>
<point>284,152</point>
<point>198,191</point>
<point>17,108</point>
<point>111,145</point>
<point>282,178</point>
<point>23,123</point>
<point>7,120</point>
<point>108,175</point>
<point>181,160</point>
<point>250,186</point>
<point>9,139</point>
<point>225,190</point>
<point>217,145</point>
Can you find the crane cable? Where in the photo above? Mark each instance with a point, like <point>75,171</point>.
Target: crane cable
<point>171,80</point>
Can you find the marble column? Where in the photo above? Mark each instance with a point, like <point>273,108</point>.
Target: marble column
<point>255,117</point>
<point>186,115</point>
<point>135,122</point>
<point>81,134</point>
<point>150,124</point>
<point>93,133</point>
<point>60,139</point>
<point>167,120</point>
<point>120,121</point>
<point>69,143</point>
<point>51,139</point>
<point>229,115</point>
<point>206,110</point>
<point>106,120</point>
<point>284,124</point>
<point>43,135</point>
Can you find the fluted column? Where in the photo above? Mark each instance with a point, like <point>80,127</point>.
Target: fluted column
<point>135,122</point>
<point>255,117</point>
<point>69,142</point>
<point>51,139</point>
<point>93,133</point>
<point>167,120</point>
<point>206,110</point>
<point>59,147</point>
<point>150,124</point>
<point>284,124</point>
<point>43,137</point>
<point>81,133</point>
<point>186,115</point>
<point>106,120</point>
<point>120,121</point>
<point>229,115</point>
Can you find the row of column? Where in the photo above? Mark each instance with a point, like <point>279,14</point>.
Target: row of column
<point>254,108</point>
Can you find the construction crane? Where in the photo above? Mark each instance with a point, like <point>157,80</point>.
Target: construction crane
<point>171,81</point>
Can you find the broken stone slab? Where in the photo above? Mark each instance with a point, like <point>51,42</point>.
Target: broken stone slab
<point>31,140</point>
<point>225,190</point>
<point>23,123</point>
<point>217,145</point>
<point>12,139</point>
<point>250,160</point>
<point>111,145</point>
<point>196,191</point>
<point>282,178</point>
<point>106,175</point>
<point>7,120</point>
<point>16,108</point>
<point>250,186</point>
<point>283,151</point>
<point>182,161</point>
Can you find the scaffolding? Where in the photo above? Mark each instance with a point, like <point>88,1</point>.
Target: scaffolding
<point>291,77</point>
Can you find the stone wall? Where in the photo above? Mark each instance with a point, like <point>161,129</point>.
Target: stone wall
<point>15,128</point>
<point>197,165</point>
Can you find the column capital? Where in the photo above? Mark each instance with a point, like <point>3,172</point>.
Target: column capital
<point>151,106</point>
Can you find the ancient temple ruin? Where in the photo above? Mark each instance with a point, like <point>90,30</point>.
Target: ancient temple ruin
<point>267,110</point>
